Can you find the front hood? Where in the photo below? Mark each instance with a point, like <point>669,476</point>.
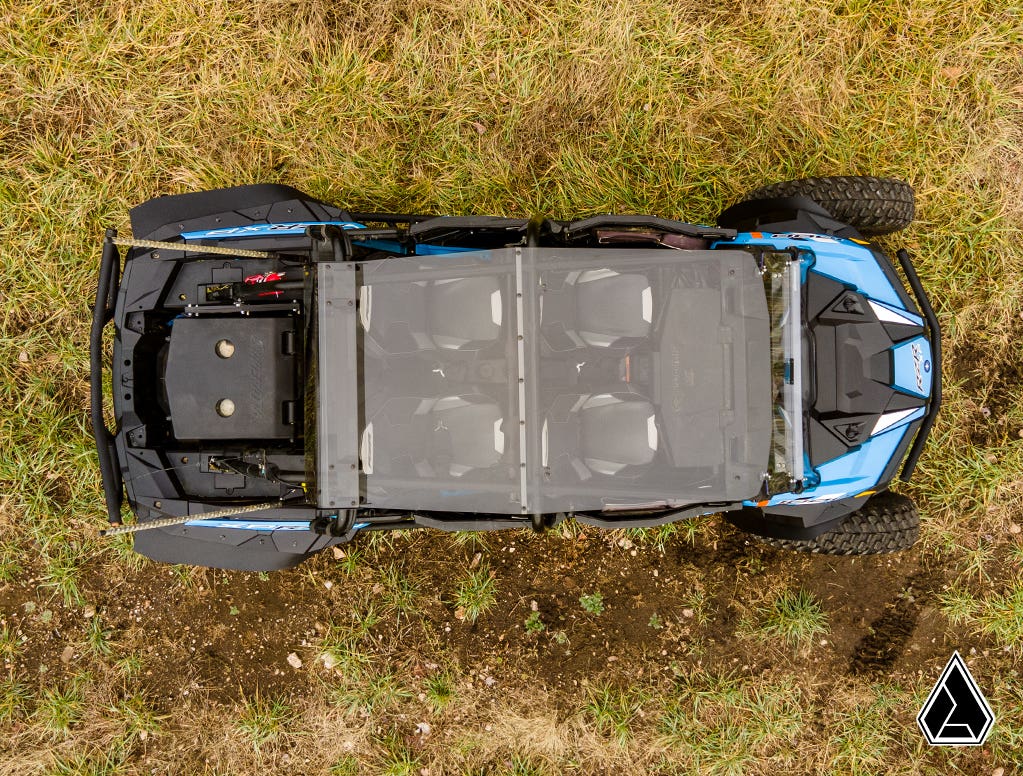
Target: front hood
<point>872,366</point>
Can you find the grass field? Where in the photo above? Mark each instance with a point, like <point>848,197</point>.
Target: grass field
<point>680,650</point>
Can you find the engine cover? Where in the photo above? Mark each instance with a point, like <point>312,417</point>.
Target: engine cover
<point>231,378</point>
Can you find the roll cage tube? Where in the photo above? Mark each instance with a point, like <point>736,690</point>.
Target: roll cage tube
<point>935,339</point>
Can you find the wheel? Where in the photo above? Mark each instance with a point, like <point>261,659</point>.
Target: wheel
<point>888,522</point>
<point>871,205</point>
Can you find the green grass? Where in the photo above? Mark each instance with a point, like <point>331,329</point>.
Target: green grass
<point>98,638</point>
<point>998,614</point>
<point>440,690</point>
<point>476,594</point>
<point>14,700</point>
<point>794,617</point>
<point>562,109</point>
<point>614,710</point>
<point>138,720</point>
<point>718,724</point>
<point>264,722</point>
<point>371,694</point>
<point>400,591</point>
<point>60,707</point>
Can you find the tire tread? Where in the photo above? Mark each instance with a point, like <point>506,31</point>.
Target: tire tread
<point>888,522</point>
<point>872,205</point>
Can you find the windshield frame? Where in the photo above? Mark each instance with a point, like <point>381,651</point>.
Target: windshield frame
<point>782,274</point>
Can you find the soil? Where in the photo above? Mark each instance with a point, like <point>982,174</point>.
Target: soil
<point>990,371</point>
<point>227,635</point>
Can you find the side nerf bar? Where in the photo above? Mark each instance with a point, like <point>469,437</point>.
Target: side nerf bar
<point>102,314</point>
<point>935,338</point>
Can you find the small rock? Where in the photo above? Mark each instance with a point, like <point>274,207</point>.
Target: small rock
<point>67,654</point>
<point>1014,528</point>
<point>23,357</point>
<point>998,772</point>
<point>328,584</point>
<point>143,735</point>
<point>480,128</point>
<point>294,660</point>
<point>90,611</point>
<point>423,728</point>
<point>687,612</point>
<point>339,553</point>
<point>460,613</point>
<point>534,606</point>
<point>329,660</point>
<point>476,560</point>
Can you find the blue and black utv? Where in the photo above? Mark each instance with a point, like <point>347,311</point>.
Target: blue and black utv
<point>287,374</point>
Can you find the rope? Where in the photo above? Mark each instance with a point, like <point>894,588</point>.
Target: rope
<point>166,522</point>
<point>129,242</point>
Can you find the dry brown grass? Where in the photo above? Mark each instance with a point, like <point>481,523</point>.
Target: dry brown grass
<point>564,108</point>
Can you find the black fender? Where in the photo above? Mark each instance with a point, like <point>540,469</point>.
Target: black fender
<point>804,521</point>
<point>167,216</point>
<point>784,214</point>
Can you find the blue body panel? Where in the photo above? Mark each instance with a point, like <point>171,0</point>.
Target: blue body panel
<point>298,228</point>
<point>264,230</point>
<point>836,257</point>
<point>852,263</point>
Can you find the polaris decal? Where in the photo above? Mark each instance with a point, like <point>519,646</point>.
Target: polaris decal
<point>252,525</point>
<point>806,236</point>
<point>265,230</point>
<point>920,365</point>
<point>911,363</point>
